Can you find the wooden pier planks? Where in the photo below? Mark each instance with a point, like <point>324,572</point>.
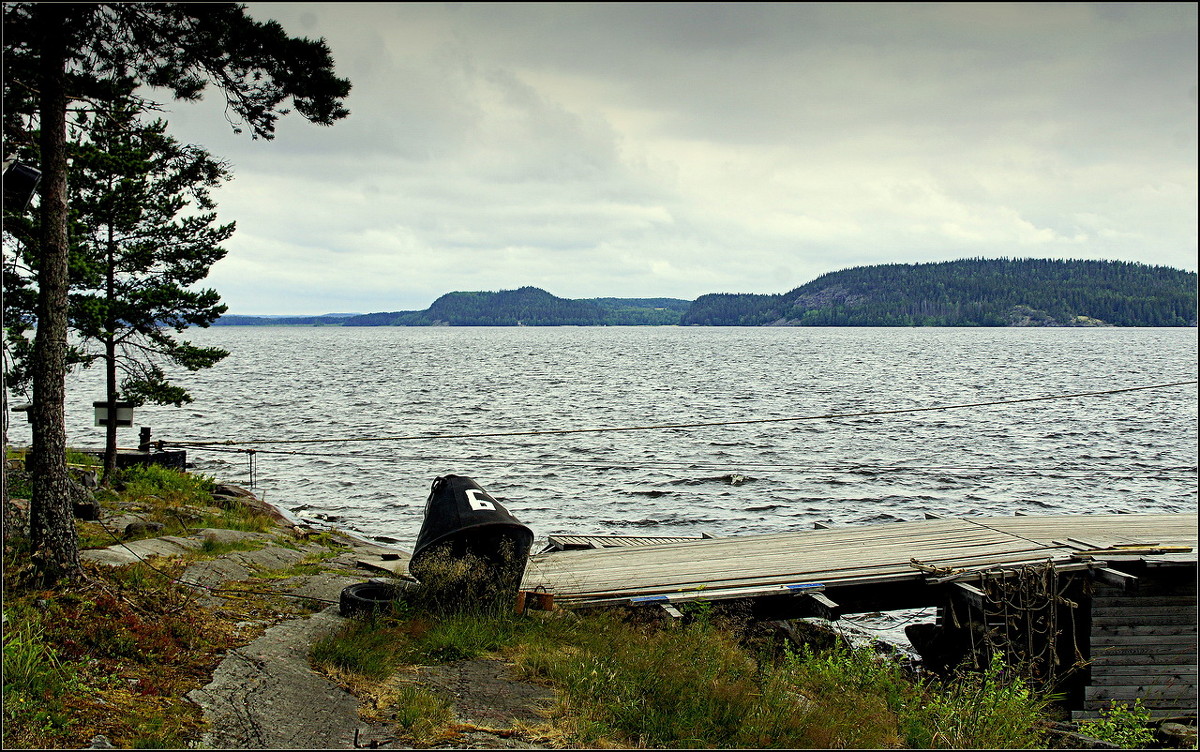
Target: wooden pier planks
<point>839,556</point>
<point>1103,529</point>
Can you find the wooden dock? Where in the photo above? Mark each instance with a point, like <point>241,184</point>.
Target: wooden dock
<point>879,557</point>
<point>1104,605</point>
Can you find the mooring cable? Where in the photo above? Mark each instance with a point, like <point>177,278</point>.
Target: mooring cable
<point>669,426</point>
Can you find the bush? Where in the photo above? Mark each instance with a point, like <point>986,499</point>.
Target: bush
<point>995,709</point>
<point>142,481</point>
<point>1124,725</point>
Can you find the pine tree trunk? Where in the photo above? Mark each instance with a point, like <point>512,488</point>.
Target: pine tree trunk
<point>110,364</point>
<point>55,548</point>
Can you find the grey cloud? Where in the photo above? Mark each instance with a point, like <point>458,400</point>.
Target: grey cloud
<point>677,149</point>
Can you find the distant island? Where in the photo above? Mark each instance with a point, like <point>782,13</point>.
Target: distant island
<point>969,292</point>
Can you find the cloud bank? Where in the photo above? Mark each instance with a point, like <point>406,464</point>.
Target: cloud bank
<point>640,150</point>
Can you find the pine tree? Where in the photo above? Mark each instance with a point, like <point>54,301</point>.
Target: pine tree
<point>133,185</point>
<point>62,59</point>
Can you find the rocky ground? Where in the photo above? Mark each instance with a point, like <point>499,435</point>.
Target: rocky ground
<point>265,694</point>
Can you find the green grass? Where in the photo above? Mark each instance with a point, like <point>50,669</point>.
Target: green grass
<point>699,684</point>
<point>36,680</point>
<point>419,713</point>
<point>363,648</point>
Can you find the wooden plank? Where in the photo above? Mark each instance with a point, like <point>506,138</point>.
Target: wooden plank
<point>1137,655</point>
<point>748,560</point>
<point>848,556</point>
<point>847,553</point>
<point>825,607</point>
<point>1158,706</point>
<point>1142,669</point>
<point>1156,714</point>
<point>1157,587</point>
<point>970,594</point>
<point>673,612</point>
<point>1143,630</point>
<point>1141,640</point>
<point>1108,622</point>
<point>1158,601</point>
<point>1145,691</point>
<point>625,580</point>
<point>1149,677</point>
<point>1141,609</point>
<point>1117,578</point>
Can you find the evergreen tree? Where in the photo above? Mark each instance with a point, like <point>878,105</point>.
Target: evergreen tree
<point>133,185</point>
<point>63,59</point>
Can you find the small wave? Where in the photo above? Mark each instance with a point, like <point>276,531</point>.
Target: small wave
<point>730,479</point>
<point>881,517</point>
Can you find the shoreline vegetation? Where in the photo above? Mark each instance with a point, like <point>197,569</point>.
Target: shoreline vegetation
<point>969,292</point>
<point>117,654</point>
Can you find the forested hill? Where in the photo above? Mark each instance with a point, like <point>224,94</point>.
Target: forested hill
<point>530,306</point>
<point>971,292</point>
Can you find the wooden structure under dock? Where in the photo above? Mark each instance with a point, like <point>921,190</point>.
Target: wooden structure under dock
<point>1105,605</point>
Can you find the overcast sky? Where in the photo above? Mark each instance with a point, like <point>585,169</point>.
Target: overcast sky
<point>638,150</point>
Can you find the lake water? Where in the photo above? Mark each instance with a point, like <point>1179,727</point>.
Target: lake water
<point>1133,451</point>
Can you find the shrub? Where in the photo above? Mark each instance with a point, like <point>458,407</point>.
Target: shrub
<point>1121,724</point>
<point>155,480</point>
<point>994,709</point>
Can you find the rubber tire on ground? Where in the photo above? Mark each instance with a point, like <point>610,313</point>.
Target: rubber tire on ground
<point>367,598</point>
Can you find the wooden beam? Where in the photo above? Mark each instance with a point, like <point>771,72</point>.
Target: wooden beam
<point>824,606</point>
<point>1108,576</point>
<point>969,593</point>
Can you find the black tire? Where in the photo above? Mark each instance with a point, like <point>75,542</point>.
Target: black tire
<point>368,598</point>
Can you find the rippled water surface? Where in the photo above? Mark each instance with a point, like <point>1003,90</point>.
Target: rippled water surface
<point>401,388</point>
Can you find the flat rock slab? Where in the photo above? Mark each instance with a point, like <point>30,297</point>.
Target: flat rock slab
<point>266,696</point>
<point>224,535</point>
<point>134,551</point>
<point>324,586</point>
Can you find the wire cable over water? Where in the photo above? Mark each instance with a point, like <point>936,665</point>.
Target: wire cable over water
<point>668,426</point>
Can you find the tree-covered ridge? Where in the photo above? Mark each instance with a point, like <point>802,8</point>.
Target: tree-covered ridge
<point>970,292</point>
<point>527,306</point>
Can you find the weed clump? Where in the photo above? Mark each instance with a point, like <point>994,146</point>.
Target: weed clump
<point>1121,724</point>
<point>705,681</point>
